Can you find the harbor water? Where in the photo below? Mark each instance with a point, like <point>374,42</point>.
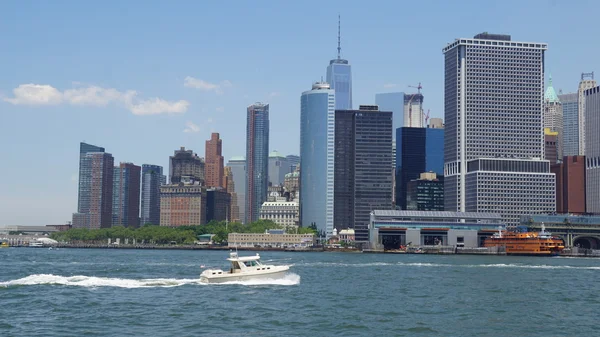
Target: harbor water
<point>97,292</point>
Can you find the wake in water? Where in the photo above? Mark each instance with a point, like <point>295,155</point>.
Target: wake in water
<point>92,281</point>
<point>426,264</point>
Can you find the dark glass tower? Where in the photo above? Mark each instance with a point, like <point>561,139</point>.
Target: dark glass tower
<point>152,179</point>
<point>257,159</point>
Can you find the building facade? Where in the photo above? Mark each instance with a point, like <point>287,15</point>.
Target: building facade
<point>363,157</point>
<point>257,159</point>
<point>278,168</point>
<point>272,240</point>
<point>234,210</point>
<point>394,102</point>
<point>425,193</point>
<point>551,146</point>
<point>185,164</point>
<point>570,185</point>
<point>570,139</point>
<point>317,133</point>
<point>592,150</point>
<point>413,110</point>
<point>587,82</point>
<point>293,161</point>
<point>126,195</point>
<point>238,170</point>
<point>183,204</point>
<point>152,179</point>
<point>284,213</point>
<point>418,150</point>
<point>436,123</point>
<point>214,161</point>
<point>553,117</point>
<point>339,78</point>
<point>218,205</point>
<point>489,119</point>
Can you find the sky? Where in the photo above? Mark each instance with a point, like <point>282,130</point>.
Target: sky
<point>145,78</point>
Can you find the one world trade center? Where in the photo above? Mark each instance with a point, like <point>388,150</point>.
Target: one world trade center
<point>339,77</point>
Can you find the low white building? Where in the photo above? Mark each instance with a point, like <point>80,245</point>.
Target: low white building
<point>272,240</point>
<point>285,213</point>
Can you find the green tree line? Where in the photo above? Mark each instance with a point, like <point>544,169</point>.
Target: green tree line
<point>163,235</point>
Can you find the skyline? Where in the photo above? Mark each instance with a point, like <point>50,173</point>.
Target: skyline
<point>175,54</point>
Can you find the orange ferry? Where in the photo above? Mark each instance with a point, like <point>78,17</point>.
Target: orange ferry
<point>528,243</point>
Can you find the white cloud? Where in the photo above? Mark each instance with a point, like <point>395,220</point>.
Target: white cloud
<point>36,94</point>
<point>199,84</point>
<point>191,127</point>
<point>390,85</point>
<point>220,109</point>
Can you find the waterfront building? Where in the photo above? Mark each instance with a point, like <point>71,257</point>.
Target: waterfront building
<point>257,159</point>
<point>317,135</point>
<point>276,240</point>
<point>339,77</point>
<point>413,110</point>
<point>126,195</point>
<point>392,229</point>
<point>218,204</point>
<point>493,130</point>
<point>436,123</point>
<point>214,161</point>
<point>152,179</point>
<point>278,167</point>
<point>185,163</point>
<point>576,230</point>
<point>183,204</point>
<point>570,185</point>
<point>363,156</point>
<point>587,82</point>
<point>570,139</point>
<point>418,150</point>
<point>394,102</point>
<point>425,193</point>
<point>94,207</point>
<point>592,149</point>
<point>551,146</point>
<point>294,162</point>
<point>238,170</point>
<point>553,117</point>
<point>234,211</point>
<point>281,212</point>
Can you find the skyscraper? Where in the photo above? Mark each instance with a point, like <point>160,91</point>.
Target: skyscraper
<point>185,165</point>
<point>152,179</point>
<point>278,168</point>
<point>587,82</point>
<point>394,102</point>
<point>293,161</point>
<point>493,133</point>
<point>553,117</point>
<point>238,170</point>
<point>570,140</point>
<point>126,195</point>
<point>234,209</point>
<point>551,146</point>
<point>94,208</point>
<point>317,132</point>
<point>339,77</point>
<point>413,110</point>
<point>570,185</point>
<point>363,157</point>
<point>214,161</point>
<point>592,149</point>
<point>257,159</point>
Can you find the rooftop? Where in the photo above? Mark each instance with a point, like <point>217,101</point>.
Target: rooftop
<point>276,154</point>
<point>437,215</point>
<point>550,95</point>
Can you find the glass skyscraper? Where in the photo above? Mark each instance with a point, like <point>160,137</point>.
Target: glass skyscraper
<point>394,102</point>
<point>570,110</point>
<point>339,78</point>
<point>126,195</point>
<point>257,159</point>
<point>317,132</point>
<point>238,170</point>
<point>152,179</point>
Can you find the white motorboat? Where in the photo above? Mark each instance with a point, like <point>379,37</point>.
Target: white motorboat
<point>242,269</point>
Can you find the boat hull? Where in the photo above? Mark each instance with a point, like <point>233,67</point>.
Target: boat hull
<point>237,277</point>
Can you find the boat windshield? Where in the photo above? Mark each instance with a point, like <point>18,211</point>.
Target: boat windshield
<point>251,263</point>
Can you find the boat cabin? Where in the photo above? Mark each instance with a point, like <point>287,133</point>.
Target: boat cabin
<point>246,263</point>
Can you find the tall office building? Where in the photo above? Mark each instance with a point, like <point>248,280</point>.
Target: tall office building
<point>126,195</point>
<point>278,168</point>
<point>413,110</point>
<point>394,102</point>
<point>218,205</point>
<point>587,82</point>
<point>293,161</point>
<point>418,150</point>
<point>94,209</point>
<point>553,116</point>
<point>234,209</point>
<point>425,193</point>
<point>339,77</point>
<point>570,185</point>
<point>317,132</point>
<point>363,157</point>
<point>592,150</point>
<point>183,204</point>
<point>570,139</point>
<point>238,170</point>
<point>185,165</point>
<point>257,159</point>
<point>493,133</point>
<point>551,146</point>
<point>152,179</point>
<point>214,161</point>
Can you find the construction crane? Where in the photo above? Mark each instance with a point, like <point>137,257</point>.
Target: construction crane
<point>419,87</point>
<point>426,117</point>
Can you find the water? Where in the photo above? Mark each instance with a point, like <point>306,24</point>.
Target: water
<point>78,292</point>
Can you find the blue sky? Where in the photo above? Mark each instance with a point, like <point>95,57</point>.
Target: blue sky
<point>132,76</point>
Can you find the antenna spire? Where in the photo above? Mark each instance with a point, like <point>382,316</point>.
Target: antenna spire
<point>339,48</point>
